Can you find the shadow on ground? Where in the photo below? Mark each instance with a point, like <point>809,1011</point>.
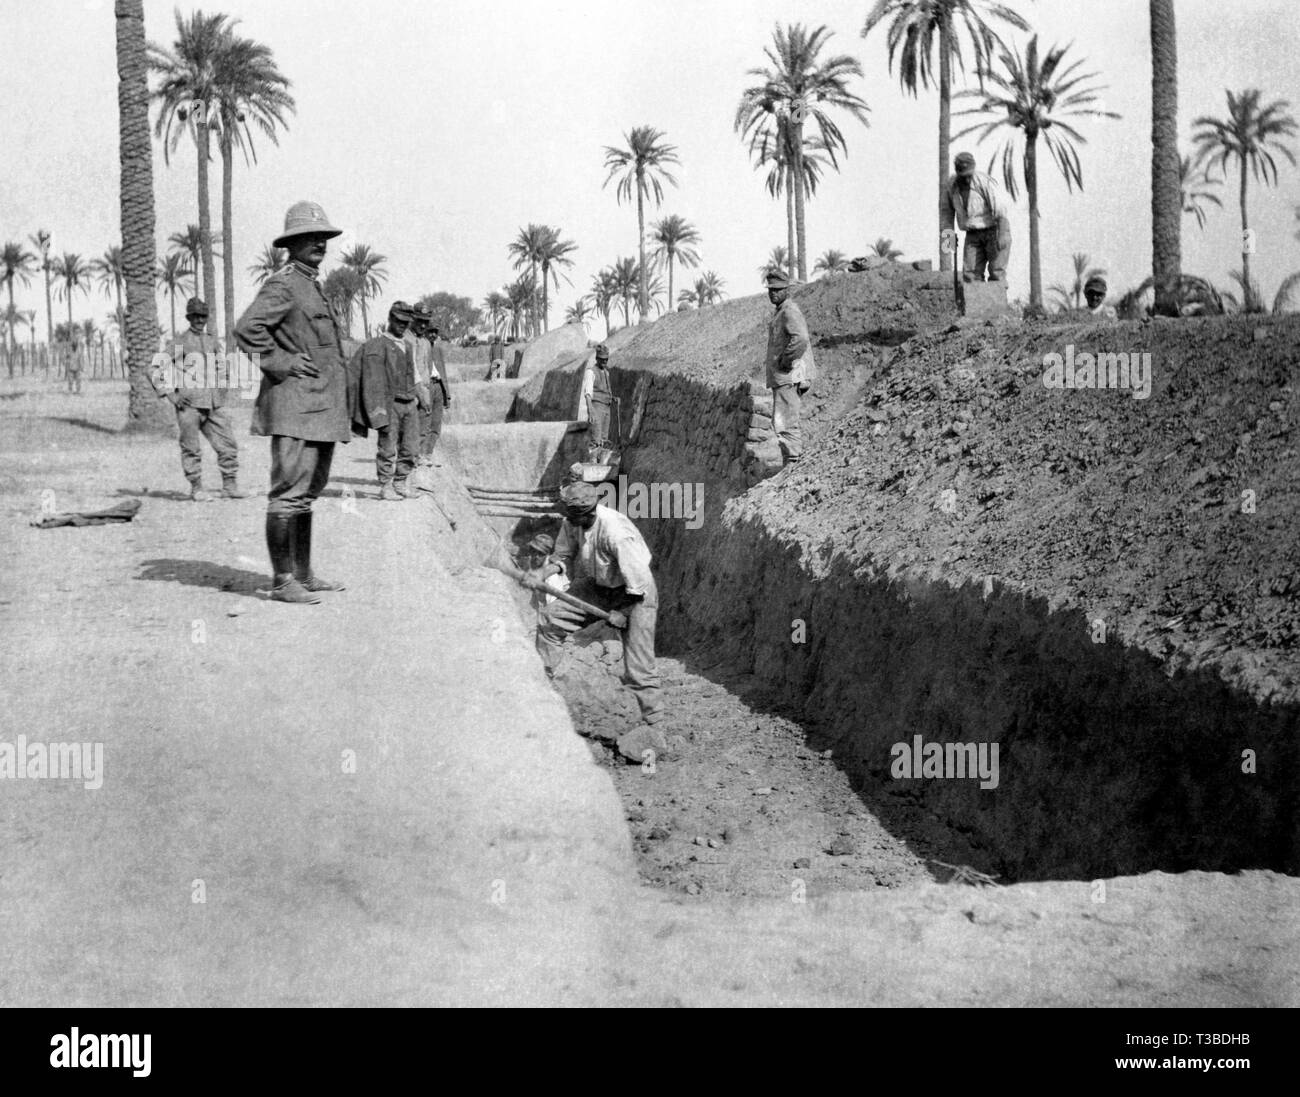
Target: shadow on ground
<point>203,573</point>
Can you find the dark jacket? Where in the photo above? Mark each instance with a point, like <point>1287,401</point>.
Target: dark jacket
<point>378,371</point>
<point>290,319</point>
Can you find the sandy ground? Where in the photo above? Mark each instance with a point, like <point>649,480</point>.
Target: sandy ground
<point>477,854</point>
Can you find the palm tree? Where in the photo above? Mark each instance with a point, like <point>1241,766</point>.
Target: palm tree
<point>791,89</point>
<point>343,287</point>
<point>73,275</point>
<point>676,240</point>
<point>191,242</point>
<point>1034,100</point>
<point>1166,207</point>
<point>884,247</point>
<point>708,289</point>
<point>687,297</point>
<point>175,275</point>
<point>527,249</point>
<point>1250,135</point>
<point>554,254</point>
<point>29,318</point>
<point>496,305</point>
<point>520,297</point>
<point>626,282</point>
<point>15,262</point>
<point>831,262</point>
<point>643,164</point>
<point>40,240</point>
<point>369,268</point>
<point>188,96</point>
<point>9,321</point>
<point>655,295</point>
<point>913,27</point>
<point>271,261</point>
<point>603,294</point>
<point>1285,292</point>
<point>1193,183</point>
<point>777,259</point>
<point>144,410</point>
<point>108,270</point>
<point>249,88</point>
<point>578,312</point>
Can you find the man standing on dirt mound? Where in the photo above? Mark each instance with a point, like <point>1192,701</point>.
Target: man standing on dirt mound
<point>789,365</point>
<point>303,402</point>
<point>608,562</point>
<point>980,208</point>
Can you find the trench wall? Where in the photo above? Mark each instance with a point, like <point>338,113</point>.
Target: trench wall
<point>841,589</point>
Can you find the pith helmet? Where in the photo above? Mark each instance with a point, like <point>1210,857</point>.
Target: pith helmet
<point>302,218</point>
<point>196,306</point>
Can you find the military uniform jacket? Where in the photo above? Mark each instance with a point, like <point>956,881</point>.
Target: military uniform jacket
<point>197,371</point>
<point>789,347</point>
<point>289,320</point>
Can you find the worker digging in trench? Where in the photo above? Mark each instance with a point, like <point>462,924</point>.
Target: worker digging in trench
<point>608,563</point>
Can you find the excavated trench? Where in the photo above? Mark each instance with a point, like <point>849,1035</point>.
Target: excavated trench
<point>958,562</point>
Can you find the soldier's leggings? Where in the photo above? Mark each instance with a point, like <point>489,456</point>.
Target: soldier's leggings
<point>556,622</point>
<point>214,425</point>
<point>299,472</point>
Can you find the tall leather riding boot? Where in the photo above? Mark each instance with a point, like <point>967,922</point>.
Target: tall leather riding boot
<point>302,557</point>
<point>280,545</point>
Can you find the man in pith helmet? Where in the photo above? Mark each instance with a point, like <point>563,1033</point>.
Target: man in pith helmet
<point>302,405</point>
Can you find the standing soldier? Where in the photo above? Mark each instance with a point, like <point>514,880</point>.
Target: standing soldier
<point>419,349</point>
<point>608,561</point>
<point>387,375</point>
<point>303,401</point>
<point>789,365</point>
<point>440,395</point>
<point>190,380</point>
<point>597,398</point>
<point>980,208</point>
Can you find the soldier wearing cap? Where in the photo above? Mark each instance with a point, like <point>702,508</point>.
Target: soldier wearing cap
<point>1094,293</point>
<point>597,397</point>
<point>302,404</point>
<point>789,365</point>
<point>391,400</point>
<point>437,387</point>
<point>981,211</point>
<point>608,562</point>
<point>196,385</point>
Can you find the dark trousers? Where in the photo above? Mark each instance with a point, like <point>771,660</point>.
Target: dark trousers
<point>431,421</point>
<point>299,472</point>
<point>984,250</point>
<point>400,439</point>
<point>559,620</point>
<point>214,425</point>
<point>74,380</point>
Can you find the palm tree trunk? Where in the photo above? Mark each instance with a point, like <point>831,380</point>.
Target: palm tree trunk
<point>800,236</point>
<point>546,298</point>
<point>227,234</point>
<point>1247,289</point>
<point>1166,197</point>
<point>144,411</point>
<point>49,306</point>
<point>945,125</point>
<point>789,222</point>
<point>670,281</point>
<point>11,327</point>
<point>365,319</point>
<point>205,222</point>
<point>172,294</point>
<point>1031,185</point>
<point>642,297</point>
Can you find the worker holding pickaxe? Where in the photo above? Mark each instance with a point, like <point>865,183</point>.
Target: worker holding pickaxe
<point>609,563</point>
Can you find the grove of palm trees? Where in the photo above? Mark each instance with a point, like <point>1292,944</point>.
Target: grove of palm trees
<point>983,695</point>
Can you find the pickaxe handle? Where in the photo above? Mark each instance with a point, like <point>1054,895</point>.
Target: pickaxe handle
<point>522,579</point>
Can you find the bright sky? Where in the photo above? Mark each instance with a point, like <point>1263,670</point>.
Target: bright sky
<point>434,131</point>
